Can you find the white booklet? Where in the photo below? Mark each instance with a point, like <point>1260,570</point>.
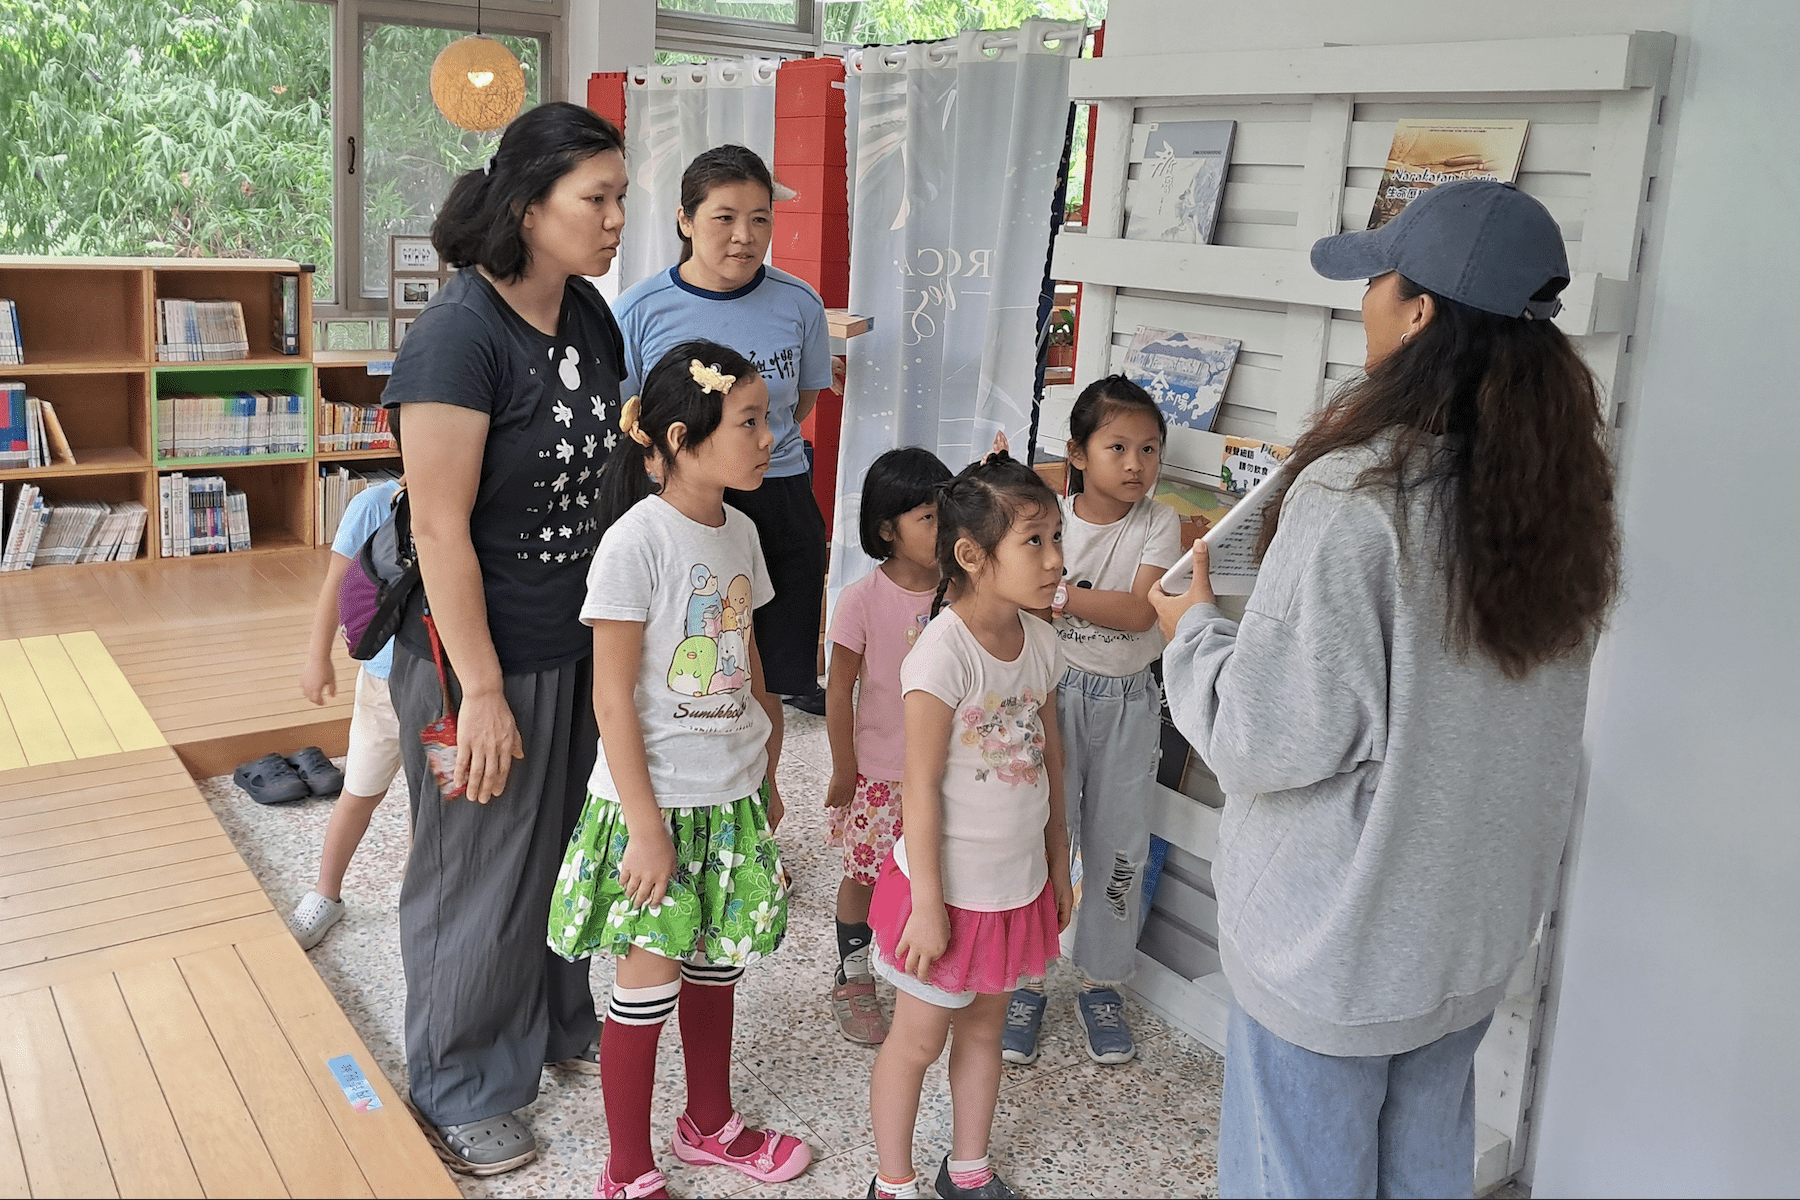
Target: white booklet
<point>1231,544</point>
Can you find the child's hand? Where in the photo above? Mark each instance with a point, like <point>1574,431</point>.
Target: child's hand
<point>1170,609</point>
<point>647,866</point>
<point>318,679</point>
<point>923,941</point>
<point>842,789</point>
<point>1065,899</point>
<point>776,808</point>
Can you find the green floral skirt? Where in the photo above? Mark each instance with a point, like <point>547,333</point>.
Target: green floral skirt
<point>725,903</point>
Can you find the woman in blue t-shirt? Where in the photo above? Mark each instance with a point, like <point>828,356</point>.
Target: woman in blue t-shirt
<point>722,290</point>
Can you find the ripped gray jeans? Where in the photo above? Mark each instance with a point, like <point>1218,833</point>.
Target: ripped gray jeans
<point>1111,733</point>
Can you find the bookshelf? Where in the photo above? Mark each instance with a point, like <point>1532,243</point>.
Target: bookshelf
<point>88,329</point>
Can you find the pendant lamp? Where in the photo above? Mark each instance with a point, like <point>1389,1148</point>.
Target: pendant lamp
<point>477,83</point>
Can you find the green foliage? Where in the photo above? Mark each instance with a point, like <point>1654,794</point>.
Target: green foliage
<point>889,22</point>
<point>166,127</point>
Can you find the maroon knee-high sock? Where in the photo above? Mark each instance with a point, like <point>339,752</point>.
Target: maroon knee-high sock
<point>706,1015</point>
<point>627,1077</point>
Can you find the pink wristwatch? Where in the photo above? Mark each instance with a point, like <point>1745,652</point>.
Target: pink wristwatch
<point>1061,598</point>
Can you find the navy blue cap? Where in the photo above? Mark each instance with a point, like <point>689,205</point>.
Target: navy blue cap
<point>1483,243</point>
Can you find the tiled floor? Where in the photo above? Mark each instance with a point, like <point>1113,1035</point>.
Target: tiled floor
<point>1064,1127</point>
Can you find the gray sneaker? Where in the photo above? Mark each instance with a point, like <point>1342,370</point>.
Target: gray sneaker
<point>492,1147</point>
<point>1102,1013</point>
<point>1024,1017</point>
<point>313,917</point>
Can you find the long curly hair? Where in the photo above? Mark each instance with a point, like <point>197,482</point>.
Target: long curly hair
<point>1522,480</point>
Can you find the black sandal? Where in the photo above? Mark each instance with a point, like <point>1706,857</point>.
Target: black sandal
<point>271,779</point>
<point>322,779</point>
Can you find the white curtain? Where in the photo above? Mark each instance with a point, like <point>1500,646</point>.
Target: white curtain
<point>956,146</point>
<point>671,114</point>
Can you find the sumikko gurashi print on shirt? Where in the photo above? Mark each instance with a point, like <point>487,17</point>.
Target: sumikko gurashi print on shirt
<point>713,657</point>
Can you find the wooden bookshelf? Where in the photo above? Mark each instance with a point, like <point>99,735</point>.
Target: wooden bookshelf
<point>88,326</point>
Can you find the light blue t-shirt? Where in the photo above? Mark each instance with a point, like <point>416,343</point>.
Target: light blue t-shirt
<point>776,321</point>
<point>366,513</point>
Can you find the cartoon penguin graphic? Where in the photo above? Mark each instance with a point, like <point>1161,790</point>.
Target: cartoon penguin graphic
<point>696,662</point>
<point>706,608</point>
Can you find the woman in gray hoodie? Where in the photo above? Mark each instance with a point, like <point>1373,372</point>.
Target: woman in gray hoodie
<point>1396,721</point>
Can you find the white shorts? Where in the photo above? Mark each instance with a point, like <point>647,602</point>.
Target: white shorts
<point>374,756</point>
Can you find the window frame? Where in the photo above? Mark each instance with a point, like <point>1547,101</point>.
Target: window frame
<point>545,19</point>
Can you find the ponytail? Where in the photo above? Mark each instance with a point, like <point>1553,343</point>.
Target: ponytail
<point>937,601</point>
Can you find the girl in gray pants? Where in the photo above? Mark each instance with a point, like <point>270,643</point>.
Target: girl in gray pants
<point>1117,542</point>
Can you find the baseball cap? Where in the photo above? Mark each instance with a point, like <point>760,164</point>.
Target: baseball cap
<point>1483,243</point>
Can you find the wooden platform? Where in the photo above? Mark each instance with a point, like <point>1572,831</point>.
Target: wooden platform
<point>161,1033</point>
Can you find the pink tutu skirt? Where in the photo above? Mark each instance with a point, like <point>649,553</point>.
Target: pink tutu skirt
<point>989,952</point>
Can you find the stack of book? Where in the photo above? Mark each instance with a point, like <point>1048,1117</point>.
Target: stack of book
<point>31,435</point>
<point>200,331</point>
<point>201,515</point>
<point>337,487</point>
<point>353,427</point>
<point>245,423</point>
<point>12,346</point>
<point>40,534</point>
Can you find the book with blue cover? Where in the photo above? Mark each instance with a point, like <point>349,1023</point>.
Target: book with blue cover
<point>1181,181</point>
<point>1185,373</point>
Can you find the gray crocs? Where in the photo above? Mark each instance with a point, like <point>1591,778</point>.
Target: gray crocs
<point>490,1147</point>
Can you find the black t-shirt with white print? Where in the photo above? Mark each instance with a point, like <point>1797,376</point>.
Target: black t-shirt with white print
<point>553,410</point>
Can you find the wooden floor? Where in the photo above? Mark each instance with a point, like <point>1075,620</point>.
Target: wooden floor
<point>161,1033</point>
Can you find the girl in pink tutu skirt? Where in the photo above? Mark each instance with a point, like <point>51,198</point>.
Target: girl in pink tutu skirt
<point>977,889</point>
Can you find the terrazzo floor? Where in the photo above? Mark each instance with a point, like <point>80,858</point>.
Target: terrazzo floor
<point>1064,1127</point>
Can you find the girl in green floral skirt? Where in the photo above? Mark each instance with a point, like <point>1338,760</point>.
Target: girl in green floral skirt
<point>673,867</point>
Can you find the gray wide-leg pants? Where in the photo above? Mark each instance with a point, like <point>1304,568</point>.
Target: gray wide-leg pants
<point>1111,730</point>
<point>487,1002</point>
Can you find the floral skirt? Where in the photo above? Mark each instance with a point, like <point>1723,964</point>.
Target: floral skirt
<point>866,828</point>
<point>725,903</point>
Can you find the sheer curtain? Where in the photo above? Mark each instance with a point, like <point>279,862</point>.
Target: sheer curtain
<point>671,114</point>
<point>956,146</point>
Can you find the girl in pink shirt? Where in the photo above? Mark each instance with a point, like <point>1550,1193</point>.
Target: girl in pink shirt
<point>976,891</point>
<point>878,619</point>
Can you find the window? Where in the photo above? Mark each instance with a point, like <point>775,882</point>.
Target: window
<point>891,22</point>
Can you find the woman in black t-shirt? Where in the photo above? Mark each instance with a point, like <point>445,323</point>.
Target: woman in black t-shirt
<point>508,389</point>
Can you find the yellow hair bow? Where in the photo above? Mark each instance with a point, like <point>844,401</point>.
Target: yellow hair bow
<point>628,421</point>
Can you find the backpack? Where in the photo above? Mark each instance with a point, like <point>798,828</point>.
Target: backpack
<point>379,583</point>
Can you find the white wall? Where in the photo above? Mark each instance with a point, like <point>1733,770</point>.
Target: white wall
<point>607,35</point>
<point>1674,1062</point>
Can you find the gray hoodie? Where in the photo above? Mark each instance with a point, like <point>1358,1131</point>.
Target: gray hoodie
<point>1394,811</point>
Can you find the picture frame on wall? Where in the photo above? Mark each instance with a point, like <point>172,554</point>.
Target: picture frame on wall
<point>413,292</point>
<point>397,329</point>
<point>412,254</point>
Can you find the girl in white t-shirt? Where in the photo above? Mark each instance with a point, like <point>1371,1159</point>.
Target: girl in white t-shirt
<point>672,867</point>
<point>1117,542</point>
<point>977,889</point>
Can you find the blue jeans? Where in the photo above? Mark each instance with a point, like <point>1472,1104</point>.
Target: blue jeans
<point>1296,1123</point>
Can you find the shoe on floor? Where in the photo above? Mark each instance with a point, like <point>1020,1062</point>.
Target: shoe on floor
<point>1024,1018</point>
<point>649,1184</point>
<point>587,1063</point>
<point>271,779</point>
<point>322,778</point>
<point>812,702</point>
<point>1102,1013</point>
<point>994,1189</point>
<point>313,917</point>
<point>905,1191</point>
<point>858,1012</point>
<point>492,1147</point>
<point>776,1159</point>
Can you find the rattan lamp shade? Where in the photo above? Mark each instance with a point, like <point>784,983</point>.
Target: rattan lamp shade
<point>477,84</point>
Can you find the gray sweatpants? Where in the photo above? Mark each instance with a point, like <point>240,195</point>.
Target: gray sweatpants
<point>487,1002</point>
<point>1111,731</point>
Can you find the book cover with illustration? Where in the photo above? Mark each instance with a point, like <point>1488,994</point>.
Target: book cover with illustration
<point>1198,506</point>
<point>1427,152</point>
<point>1180,182</point>
<point>1185,373</point>
<point>1247,462</point>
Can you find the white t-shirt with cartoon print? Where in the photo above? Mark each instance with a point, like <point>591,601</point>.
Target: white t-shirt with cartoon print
<point>996,789</point>
<point>695,588</point>
<point>1107,557</point>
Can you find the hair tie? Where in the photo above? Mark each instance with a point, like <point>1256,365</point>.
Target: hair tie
<point>628,422</point>
<point>710,379</point>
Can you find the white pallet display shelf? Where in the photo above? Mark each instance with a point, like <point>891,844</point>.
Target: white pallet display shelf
<point>1314,128</point>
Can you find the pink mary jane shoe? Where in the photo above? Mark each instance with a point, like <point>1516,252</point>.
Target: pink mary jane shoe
<point>777,1159</point>
<point>650,1183</point>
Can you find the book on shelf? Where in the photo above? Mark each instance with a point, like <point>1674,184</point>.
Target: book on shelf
<point>1427,151</point>
<point>15,427</point>
<point>201,514</point>
<point>1181,181</point>
<point>1185,373</point>
<point>12,346</point>
<point>344,426</point>
<point>284,310</point>
<point>1232,564</point>
<point>243,423</point>
<point>43,533</point>
<point>1248,461</point>
<point>337,487</point>
<point>200,331</point>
